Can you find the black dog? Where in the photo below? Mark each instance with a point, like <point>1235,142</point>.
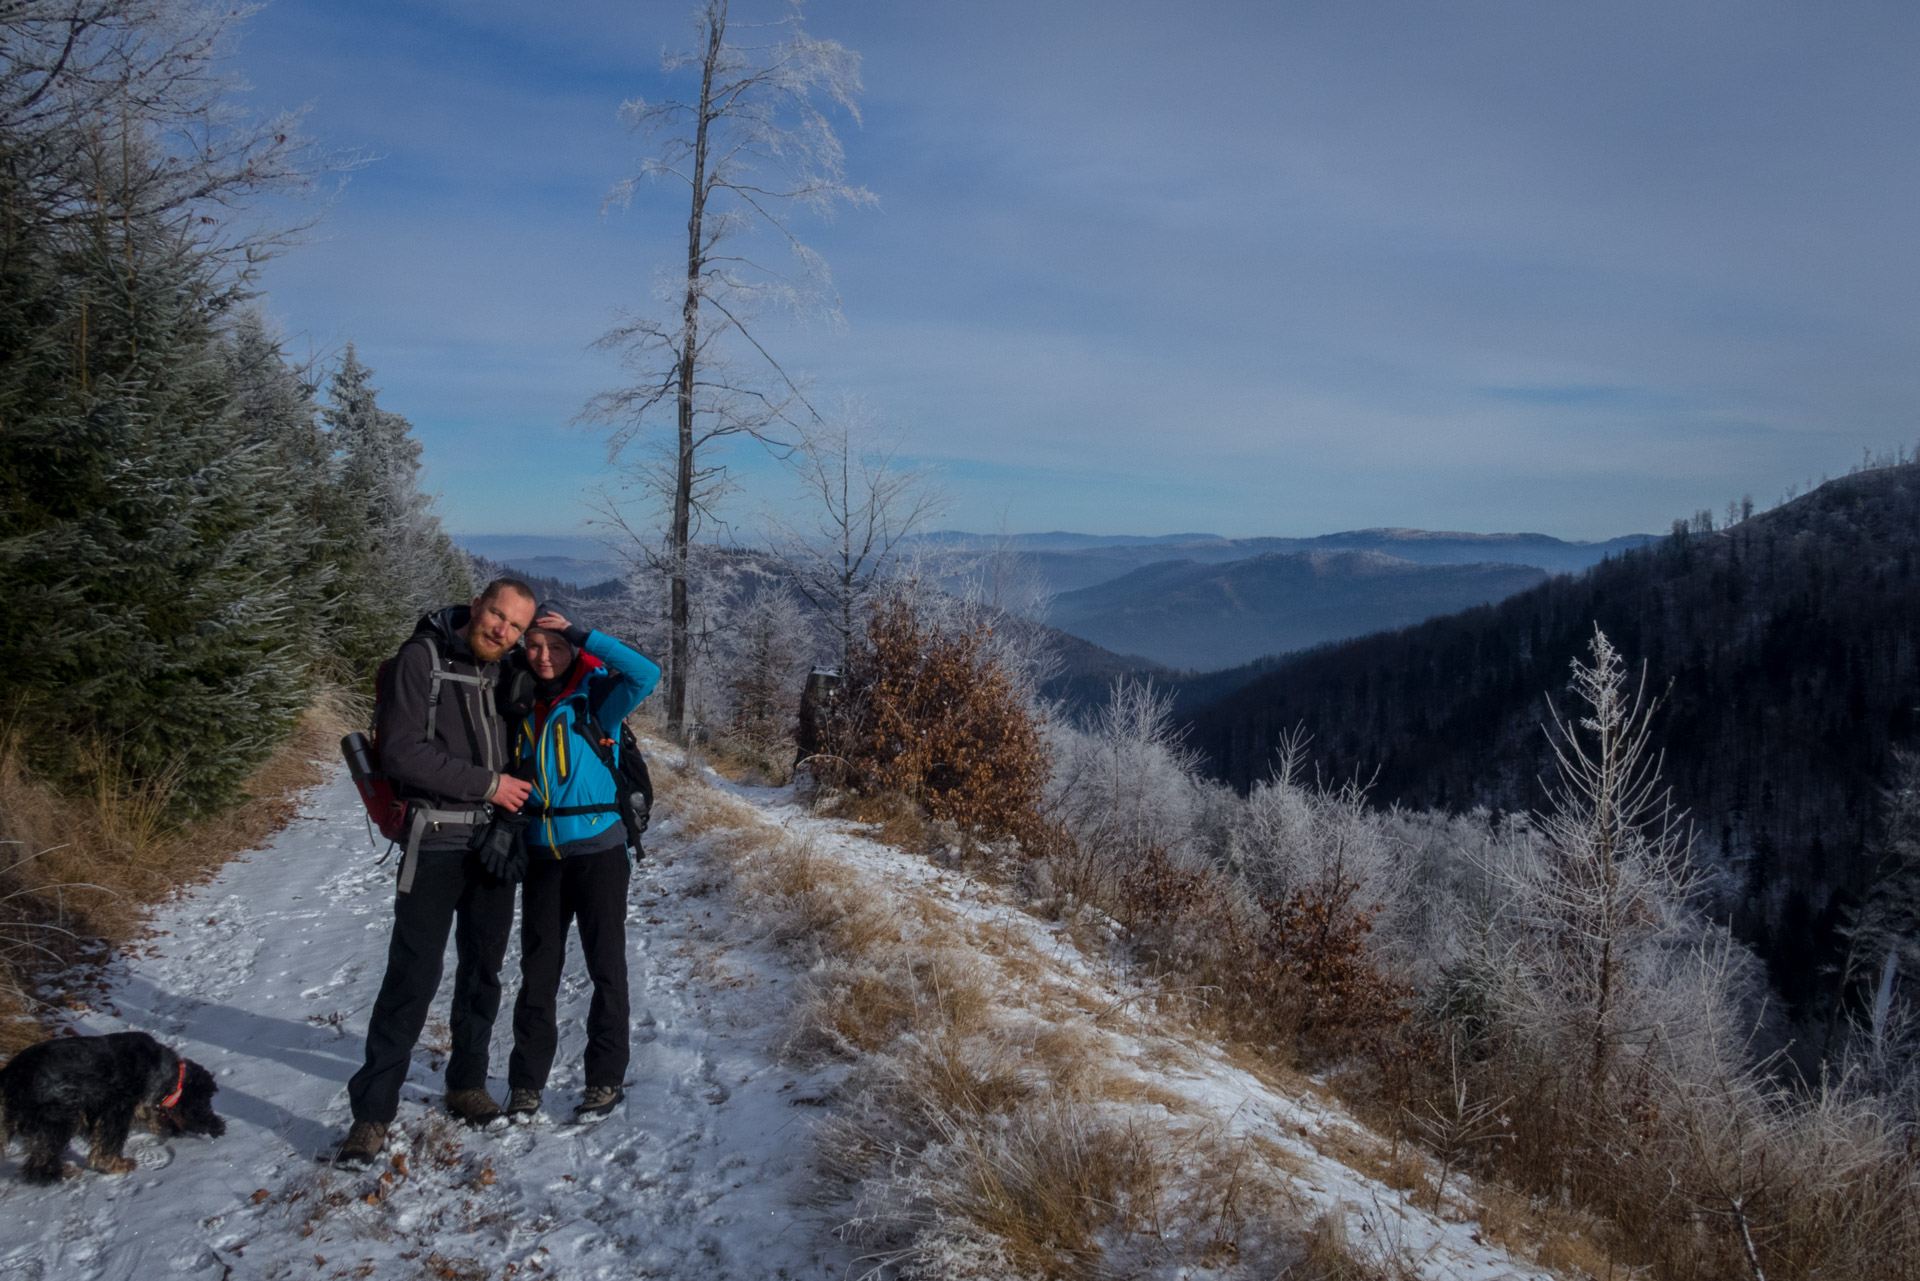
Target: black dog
<point>100,1085</point>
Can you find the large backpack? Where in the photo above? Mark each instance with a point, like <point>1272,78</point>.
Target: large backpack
<point>633,786</point>
<point>385,807</point>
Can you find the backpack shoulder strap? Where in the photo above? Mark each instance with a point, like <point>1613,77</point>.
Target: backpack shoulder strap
<point>442,670</point>
<point>589,727</point>
<point>628,769</point>
<point>433,687</point>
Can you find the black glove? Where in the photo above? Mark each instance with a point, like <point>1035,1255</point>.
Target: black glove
<point>502,851</point>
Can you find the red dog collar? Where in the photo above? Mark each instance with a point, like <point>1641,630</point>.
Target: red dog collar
<point>179,1087</point>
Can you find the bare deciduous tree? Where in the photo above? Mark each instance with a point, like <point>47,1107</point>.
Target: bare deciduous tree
<point>858,506</point>
<point>751,146</point>
<point>131,103</point>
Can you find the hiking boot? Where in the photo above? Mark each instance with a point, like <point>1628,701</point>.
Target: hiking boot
<point>523,1104</point>
<point>474,1106</point>
<point>362,1146</point>
<point>598,1100</point>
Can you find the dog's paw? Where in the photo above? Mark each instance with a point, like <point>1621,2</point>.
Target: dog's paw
<point>114,1164</point>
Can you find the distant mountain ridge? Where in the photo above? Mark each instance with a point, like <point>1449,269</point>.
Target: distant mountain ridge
<point>1451,547</point>
<point>1198,601</point>
<point>568,558</point>
<point>1058,540</point>
<point>1190,614</point>
<point>1069,562</point>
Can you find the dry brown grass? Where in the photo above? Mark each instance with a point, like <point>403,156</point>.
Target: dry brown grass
<point>895,818</point>
<point>1047,1182</point>
<point>1141,1091</point>
<point>755,764</point>
<point>680,794</point>
<point>990,1125</point>
<point>1398,1166</point>
<point>1672,1181</point>
<point>1330,1256</point>
<point>78,872</point>
<point>1566,1240</point>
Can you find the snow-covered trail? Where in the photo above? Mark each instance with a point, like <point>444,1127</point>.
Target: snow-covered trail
<point>266,975</point>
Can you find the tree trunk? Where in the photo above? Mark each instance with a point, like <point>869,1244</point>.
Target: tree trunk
<point>678,618</point>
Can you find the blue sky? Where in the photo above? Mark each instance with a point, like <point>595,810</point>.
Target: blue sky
<point>1246,268</point>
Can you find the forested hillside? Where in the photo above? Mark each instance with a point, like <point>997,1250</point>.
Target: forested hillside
<point>1784,646</point>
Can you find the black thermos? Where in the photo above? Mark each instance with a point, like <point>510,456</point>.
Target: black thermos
<point>359,757</point>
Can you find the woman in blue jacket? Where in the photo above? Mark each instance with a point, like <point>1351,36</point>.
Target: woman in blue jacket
<point>577,867</point>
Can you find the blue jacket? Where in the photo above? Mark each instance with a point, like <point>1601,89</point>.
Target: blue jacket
<point>610,679</point>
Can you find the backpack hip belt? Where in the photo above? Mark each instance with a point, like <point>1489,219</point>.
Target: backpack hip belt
<point>418,819</point>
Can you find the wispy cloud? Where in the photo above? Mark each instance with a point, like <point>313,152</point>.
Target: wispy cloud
<point>1140,267</point>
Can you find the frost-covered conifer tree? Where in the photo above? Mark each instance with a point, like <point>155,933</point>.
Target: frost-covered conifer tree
<point>395,563</point>
<point>1602,911</point>
<point>168,523</point>
<point>275,412</point>
<point>144,524</point>
<point>772,649</point>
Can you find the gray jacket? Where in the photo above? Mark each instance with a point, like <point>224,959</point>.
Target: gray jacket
<point>458,765</point>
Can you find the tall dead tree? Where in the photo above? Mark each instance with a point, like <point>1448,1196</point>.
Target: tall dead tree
<point>753,146</point>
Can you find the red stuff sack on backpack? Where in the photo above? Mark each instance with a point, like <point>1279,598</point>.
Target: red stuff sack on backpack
<point>388,812</point>
<point>362,754</point>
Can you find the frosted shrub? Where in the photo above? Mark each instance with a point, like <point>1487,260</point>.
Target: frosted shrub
<point>1290,836</point>
<point>1125,784</point>
<point>1439,928</point>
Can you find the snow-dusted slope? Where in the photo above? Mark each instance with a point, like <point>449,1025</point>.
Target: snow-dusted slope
<point>1386,1228</point>
<point>266,975</point>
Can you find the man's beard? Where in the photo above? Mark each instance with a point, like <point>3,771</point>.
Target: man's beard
<point>484,649</point>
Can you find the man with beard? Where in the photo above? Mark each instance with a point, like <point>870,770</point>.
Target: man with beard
<point>443,745</point>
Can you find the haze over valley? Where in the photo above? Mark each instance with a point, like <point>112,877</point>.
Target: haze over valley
<point>1198,602</point>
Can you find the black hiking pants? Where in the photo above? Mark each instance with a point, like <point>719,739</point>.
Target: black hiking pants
<point>590,889</point>
<point>450,894</point>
